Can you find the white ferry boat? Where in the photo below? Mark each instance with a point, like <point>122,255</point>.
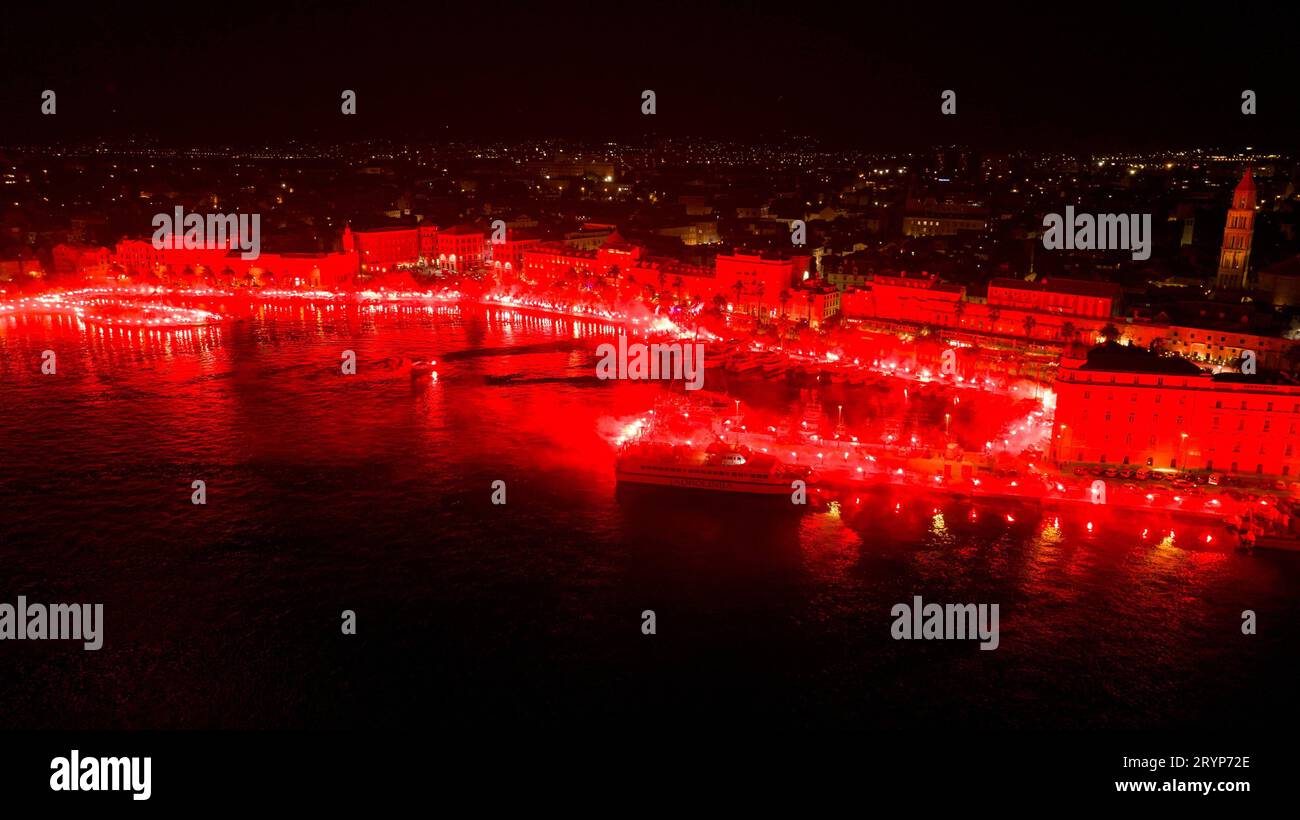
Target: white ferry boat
<point>729,470</point>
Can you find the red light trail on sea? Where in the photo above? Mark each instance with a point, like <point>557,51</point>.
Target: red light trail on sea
<point>1011,446</point>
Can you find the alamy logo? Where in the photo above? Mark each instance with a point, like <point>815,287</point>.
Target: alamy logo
<point>56,622</point>
<point>952,622</point>
<point>1098,492</point>
<point>1248,362</point>
<point>242,232</point>
<point>1102,232</point>
<point>677,360</point>
<point>948,362</point>
<point>102,774</point>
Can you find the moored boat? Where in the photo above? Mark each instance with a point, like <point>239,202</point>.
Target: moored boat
<point>719,469</point>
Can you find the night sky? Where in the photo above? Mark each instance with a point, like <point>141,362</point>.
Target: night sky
<point>1100,77</point>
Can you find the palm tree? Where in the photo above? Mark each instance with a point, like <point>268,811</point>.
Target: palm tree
<point>1030,322</point>
<point>739,288</point>
<point>784,298</point>
<point>1110,333</point>
<point>994,315</point>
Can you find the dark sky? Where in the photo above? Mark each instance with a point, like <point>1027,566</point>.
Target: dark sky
<point>1098,77</point>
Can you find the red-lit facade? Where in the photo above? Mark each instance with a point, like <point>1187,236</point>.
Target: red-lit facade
<point>384,250</point>
<point>621,264</point>
<point>507,257</point>
<point>1068,297</point>
<point>753,283</point>
<point>461,248</point>
<point>89,260</point>
<point>1131,407</point>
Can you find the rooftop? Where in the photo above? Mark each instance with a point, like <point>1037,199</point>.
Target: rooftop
<point>1074,287</point>
<point>1113,357</point>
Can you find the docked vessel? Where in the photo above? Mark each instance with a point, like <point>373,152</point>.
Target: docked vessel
<point>721,469</point>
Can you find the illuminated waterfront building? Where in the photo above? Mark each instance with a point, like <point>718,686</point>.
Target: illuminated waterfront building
<point>383,250</point>
<point>139,259</point>
<point>1057,311</point>
<point>1129,406</point>
<point>89,260</point>
<point>1060,311</point>
<point>1221,345</point>
<point>620,264</point>
<point>1066,297</point>
<point>461,248</point>
<point>754,283</point>
<point>546,262</point>
<point>507,257</point>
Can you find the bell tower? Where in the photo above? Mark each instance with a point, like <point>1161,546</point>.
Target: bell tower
<point>1234,256</point>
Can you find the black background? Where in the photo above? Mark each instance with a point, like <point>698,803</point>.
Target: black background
<point>1040,76</point>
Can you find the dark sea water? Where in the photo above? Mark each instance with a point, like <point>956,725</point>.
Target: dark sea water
<point>373,493</point>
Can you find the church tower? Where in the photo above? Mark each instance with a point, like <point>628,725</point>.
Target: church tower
<point>1234,256</point>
